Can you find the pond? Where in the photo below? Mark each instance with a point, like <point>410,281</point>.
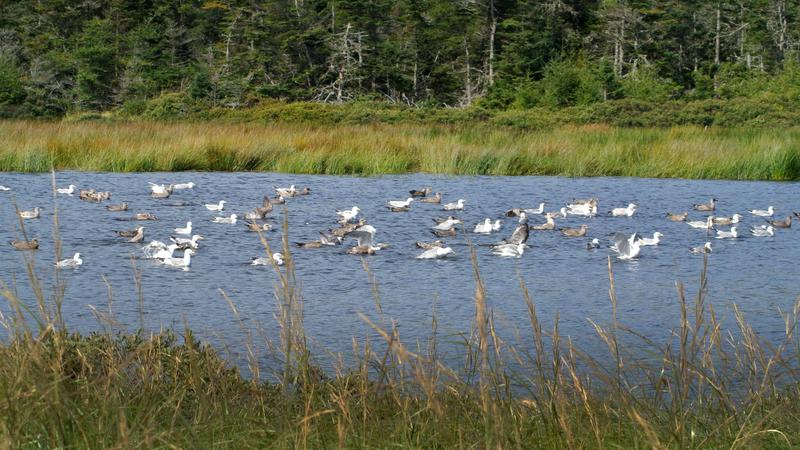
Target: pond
<point>565,279</point>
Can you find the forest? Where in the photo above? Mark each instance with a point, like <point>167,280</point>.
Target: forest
<point>59,57</point>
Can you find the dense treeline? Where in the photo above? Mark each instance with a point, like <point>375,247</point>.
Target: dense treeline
<point>59,56</point>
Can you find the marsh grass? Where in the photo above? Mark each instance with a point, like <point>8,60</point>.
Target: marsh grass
<point>707,387</point>
<point>470,149</point>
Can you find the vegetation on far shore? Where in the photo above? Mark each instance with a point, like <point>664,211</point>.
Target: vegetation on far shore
<point>709,387</point>
<point>474,148</point>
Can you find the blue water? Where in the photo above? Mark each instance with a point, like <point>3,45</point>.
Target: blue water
<point>760,275</point>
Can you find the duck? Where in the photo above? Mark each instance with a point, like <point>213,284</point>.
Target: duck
<point>678,217</point>
<point>710,206</point>
<point>702,224</point>
<point>705,248</point>
<point>763,231</point>
<point>733,220</point>
<point>575,232</point>
<point>763,212</point>
<point>68,190</point>
<point>424,192</point>
<point>347,215</point>
<point>33,244</point>
<point>593,244</point>
<point>138,237</point>
<point>509,250</point>
<point>624,212</point>
<point>785,223</point>
<point>186,231</point>
<point>436,253</point>
<point>70,263</point>
<point>550,224</point>
<point>732,234</point>
<point>183,262</point>
<point>655,240</point>
<point>117,208</point>
<point>230,219</point>
<point>216,206</point>
<point>277,258</point>
<point>34,214</point>
<point>455,206</point>
<point>145,216</point>
<point>257,227</point>
<point>401,203</point>
<point>429,245</point>
<point>432,199</point>
<point>179,186</point>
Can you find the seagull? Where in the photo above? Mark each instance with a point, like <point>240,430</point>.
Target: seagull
<point>702,224</point>
<point>184,243</point>
<point>70,263</point>
<point>277,258</point>
<point>329,239</point>
<point>509,250</point>
<point>187,230</point>
<point>549,225</point>
<point>365,236</point>
<point>444,233</point>
<point>253,226</point>
<point>30,214</point>
<point>159,250</point>
<point>67,190</point>
<point>710,206</point>
<point>457,206</point>
<point>785,223</point>
<point>33,244</point>
<point>628,247</point>
<point>401,203</point>
<point>655,240</point>
<point>582,209</point>
<point>424,192</point>
<point>145,216</point>
<point>286,192</point>
<point>763,231</point>
<point>189,185</point>
<point>3,188</point>
<point>575,232</point>
<point>706,248</point>
<point>258,213</point>
<point>521,231</point>
<point>677,217</point>
<point>448,224</point>
<point>127,233</point>
<point>159,188</point>
<point>436,253</point>
<point>435,199</point>
<point>231,219</point>
<point>138,237</point>
<point>117,208</point>
<point>216,207</point>
<point>624,212</point>
<point>727,220</point>
<point>763,212</point>
<point>429,245</point>
<point>593,245</point>
<point>279,200</point>
<point>348,214</point>
<point>538,210</point>
<point>183,262</point>
<point>165,194</point>
<point>732,234</point>
<point>484,228</point>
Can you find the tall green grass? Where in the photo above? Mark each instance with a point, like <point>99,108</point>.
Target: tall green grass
<point>473,149</point>
<point>709,387</point>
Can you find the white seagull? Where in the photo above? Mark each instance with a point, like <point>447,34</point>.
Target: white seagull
<point>187,230</point>
<point>702,224</point>
<point>732,234</point>
<point>763,212</point>
<point>447,224</point>
<point>263,261</point>
<point>231,219</point>
<point>484,228</point>
<point>189,185</point>
<point>401,203</point>
<point>763,231</point>
<point>538,210</point>
<point>509,250</point>
<point>286,192</point>
<point>160,188</point>
<point>183,262</point>
<point>655,240</point>
<point>3,188</point>
<point>624,212</point>
<point>30,214</point>
<point>706,248</point>
<point>436,253</point>
<point>216,206</point>
<point>70,263</point>
<point>67,190</point>
<point>627,247</point>
<point>456,206</point>
<point>348,214</point>
<point>187,243</point>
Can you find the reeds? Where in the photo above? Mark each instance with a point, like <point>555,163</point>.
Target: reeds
<point>470,149</point>
<point>707,387</point>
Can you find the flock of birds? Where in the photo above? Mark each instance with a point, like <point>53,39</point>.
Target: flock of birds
<point>350,225</point>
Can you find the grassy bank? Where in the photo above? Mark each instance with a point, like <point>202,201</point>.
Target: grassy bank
<point>472,149</point>
<point>710,387</point>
